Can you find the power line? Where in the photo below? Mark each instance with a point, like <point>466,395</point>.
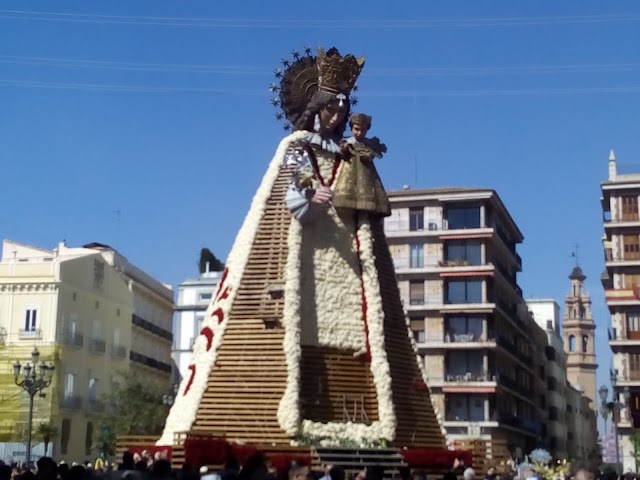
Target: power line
<point>257,70</point>
<point>316,23</point>
<point>374,93</point>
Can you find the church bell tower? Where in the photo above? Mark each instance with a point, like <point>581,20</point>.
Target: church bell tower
<point>579,335</point>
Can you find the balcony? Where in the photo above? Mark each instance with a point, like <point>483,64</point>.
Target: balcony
<point>459,340</point>
<point>97,346</point>
<point>71,402</point>
<point>149,362</point>
<point>470,382</point>
<point>531,426</point>
<point>151,327</point>
<point>623,339</point>
<point>622,296</point>
<point>513,350</point>
<point>32,333</point>
<point>629,377</point>
<point>73,339</point>
<point>515,386</point>
<point>118,351</point>
<point>95,406</point>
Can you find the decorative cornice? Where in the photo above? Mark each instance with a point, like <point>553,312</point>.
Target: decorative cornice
<point>29,287</point>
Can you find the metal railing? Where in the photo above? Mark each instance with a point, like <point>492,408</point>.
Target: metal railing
<point>71,402</point>
<point>118,351</point>
<point>30,333</point>
<point>97,346</point>
<point>95,406</point>
<point>73,339</point>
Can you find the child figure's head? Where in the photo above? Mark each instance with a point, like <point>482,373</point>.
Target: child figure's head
<point>360,125</point>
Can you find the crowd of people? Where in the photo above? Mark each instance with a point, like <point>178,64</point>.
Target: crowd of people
<point>257,467</point>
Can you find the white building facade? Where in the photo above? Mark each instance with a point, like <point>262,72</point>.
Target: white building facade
<point>194,295</point>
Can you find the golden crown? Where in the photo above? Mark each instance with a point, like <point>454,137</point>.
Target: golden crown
<point>337,74</point>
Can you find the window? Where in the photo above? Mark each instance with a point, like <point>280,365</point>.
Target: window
<point>549,324</point>
<point>30,319</point>
<point>65,435</point>
<point>88,439</point>
<point>572,343</point>
<point>69,383</point>
<point>72,327</point>
<point>633,325</point>
<point>205,296</point>
<point>464,251</point>
<point>460,327</point>
<point>416,219</point>
<point>553,414</point>
<point>585,343</point>
<point>629,207</point>
<point>466,364</point>
<point>116,337</point>
<point>464,291</point>
<point>74,296</point>
<point>417,255</point>
<point>95,330</point>
<point>93,388</point>
<point>464,407</point>
<point>551,384</point>
<point>463,217</point>
<point>416,292</point>
<point>419,336</point>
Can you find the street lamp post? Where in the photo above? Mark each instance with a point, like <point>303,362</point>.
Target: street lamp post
<point>613,408</point>
<point>35,378</point>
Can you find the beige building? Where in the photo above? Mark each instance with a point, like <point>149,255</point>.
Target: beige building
<point>621,242</point>
<point>95,316</point>
<point>454,251</point>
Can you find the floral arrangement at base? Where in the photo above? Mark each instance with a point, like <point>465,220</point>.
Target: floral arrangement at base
<point>327,441</point>
<point>539,460</point>
<point>434,458</point>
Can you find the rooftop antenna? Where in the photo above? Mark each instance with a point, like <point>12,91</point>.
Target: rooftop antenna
<point>574,254</point>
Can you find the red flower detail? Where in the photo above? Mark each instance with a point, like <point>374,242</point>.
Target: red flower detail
<point>207,332</point>
<point>190,382</point>
<point>222,280</point>
<point>435,458</point>
<point>225,294</point>
<point>218,313</point>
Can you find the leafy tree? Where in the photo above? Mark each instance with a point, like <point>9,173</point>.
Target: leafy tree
<point>135,408</point>
<point>48,432</point>
<point>215,265</point>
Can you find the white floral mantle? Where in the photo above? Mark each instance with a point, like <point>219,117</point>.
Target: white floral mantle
<point>289,415</point>
<point>183,412</point>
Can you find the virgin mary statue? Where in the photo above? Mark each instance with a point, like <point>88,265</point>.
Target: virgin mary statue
<point>350,373</point>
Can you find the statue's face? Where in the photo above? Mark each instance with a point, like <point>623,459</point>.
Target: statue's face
<point>331,116</point>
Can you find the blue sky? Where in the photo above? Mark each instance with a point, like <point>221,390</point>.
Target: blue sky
<point>159,110</point>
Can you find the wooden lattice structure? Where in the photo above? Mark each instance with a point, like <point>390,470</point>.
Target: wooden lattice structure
<point>245,387</point>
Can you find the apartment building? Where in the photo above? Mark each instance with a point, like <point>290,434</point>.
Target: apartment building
<point>546,313</point>
<point>454,251</point>
<point>194,295</point>
<point>95,316</point>
<point>621,242</point>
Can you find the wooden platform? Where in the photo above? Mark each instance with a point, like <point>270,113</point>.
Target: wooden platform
<point>249,379</point>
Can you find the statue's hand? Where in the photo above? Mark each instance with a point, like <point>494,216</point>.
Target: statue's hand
<point>322,195</point>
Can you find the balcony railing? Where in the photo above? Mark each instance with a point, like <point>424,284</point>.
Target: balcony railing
<point>614,334</point>
<point>118,351</point>
<point>95,406</point>
<point>73,339</point>
<point>512,384</point>
<point>630,376</point>
<point>470,377</point>
<point>71,402</point>
<point>97,346</point>
<point>30,333</point>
